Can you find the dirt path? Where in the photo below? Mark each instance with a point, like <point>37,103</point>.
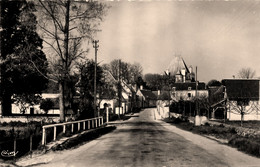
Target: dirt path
<point>144,141</point>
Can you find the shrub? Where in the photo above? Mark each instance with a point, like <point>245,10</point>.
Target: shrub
<point>46,105</point>
<point>4,124</point>
<point>247,145</point>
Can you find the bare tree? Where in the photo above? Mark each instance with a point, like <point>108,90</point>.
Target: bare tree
<point>128,72</point>
<point>246,73</point>
<point>66,26</point>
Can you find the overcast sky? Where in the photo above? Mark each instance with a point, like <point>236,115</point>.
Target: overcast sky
<point>220,37</point>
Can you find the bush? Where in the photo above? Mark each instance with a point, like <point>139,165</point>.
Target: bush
<point>4,124</point>
<point>46,105</point>
<point>247,145</point>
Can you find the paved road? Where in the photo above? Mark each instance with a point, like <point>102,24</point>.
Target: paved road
<point>144,141</point>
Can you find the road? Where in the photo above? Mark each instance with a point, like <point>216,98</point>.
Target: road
<point>143,141</point>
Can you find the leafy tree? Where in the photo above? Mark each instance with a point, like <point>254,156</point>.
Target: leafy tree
<point>214,82</point>
<point>86,84</point>
<point>246,73</point>
<point>158,82</point>
<point>65,26</point>
<point>22,60</point>
<point>46,105</point>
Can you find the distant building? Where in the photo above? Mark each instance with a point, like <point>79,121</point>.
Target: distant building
<point>146,98</point>
<point>180,70</point>
<point>184,86</point>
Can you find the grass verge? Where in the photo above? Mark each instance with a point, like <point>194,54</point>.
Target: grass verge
<point>82,138</point>
<point>249,145</point>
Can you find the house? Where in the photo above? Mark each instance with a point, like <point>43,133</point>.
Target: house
<point>146,98</point>
<point>242,98</point>
<point>237,98</point>
<point>35,109</point>
<point>126,97</point>
<point>187,91</point>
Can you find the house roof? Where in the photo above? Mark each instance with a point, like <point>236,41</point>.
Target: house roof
<point>148,94</point>
<point>186,85</point>
<point>177,64</point>
<point>242,88</point>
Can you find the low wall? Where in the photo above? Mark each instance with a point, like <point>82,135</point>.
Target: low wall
<point>8,119</point>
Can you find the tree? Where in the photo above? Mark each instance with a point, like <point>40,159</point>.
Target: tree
<point>65,26</point>
<point>86,85</point>
<point>246,73</point>
<point>158,82</point>
<point>128,72</point>
<point>46,105</point>
<point>214,82</point>
<point>22,59</point>
<point>204,104</point>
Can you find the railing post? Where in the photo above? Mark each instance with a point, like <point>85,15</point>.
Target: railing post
<point>72,128</point>
<point>55,132</point>
<point>64,128</point>
<point>84,125</point>
<point>99,121</point>
<point>78,126</point>
<point>88,124</point>
<point>96,122</point>
<point>43,136</point>
<point>107,114</point>
<point>102,121</point>
<point>92,120</point>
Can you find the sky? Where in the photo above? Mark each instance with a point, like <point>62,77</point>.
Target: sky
<point>219,37</point>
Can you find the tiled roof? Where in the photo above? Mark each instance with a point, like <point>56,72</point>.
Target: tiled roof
<point>149,94</point>
<point>186,85</point>
<point>242,88</point>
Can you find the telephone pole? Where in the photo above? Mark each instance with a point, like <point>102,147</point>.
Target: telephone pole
<point>95,45</point>
<point>119,87</point>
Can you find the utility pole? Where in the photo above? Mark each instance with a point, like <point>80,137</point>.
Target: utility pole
<point>197,117</point>
<point>119,88</point>
<point>95,45</point>
<point>196,93</point>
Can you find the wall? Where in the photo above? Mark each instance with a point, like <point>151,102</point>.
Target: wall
<point>8,119</point>
<point>252,109</point>
<point>184,94</point>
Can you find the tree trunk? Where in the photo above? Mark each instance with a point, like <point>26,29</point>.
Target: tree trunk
<point>6,104</point>
<point>61,102</point>
<point>64,64</point>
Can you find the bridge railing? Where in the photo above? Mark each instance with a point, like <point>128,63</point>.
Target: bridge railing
<point>96,122</point>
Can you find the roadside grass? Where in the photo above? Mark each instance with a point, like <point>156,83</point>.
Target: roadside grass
<point>247,144</point>
<point>246,124</point>
<point>83,138</point>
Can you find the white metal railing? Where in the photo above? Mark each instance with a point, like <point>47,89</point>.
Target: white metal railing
<point>96,122</point>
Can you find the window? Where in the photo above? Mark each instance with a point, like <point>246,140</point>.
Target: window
<point>189,94</point>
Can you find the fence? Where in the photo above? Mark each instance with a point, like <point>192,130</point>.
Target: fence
<point>96,122</point>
